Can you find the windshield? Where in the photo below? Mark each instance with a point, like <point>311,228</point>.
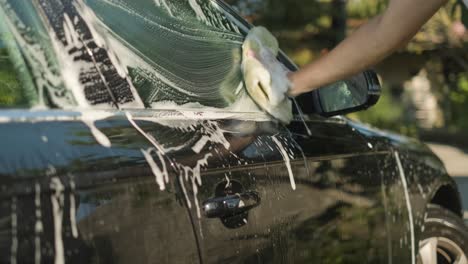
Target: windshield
<point>176,53</point>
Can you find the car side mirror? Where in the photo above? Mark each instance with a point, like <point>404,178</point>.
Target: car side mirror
<point>357,93</point>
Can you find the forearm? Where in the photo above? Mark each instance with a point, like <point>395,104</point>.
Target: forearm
<point>368,45</point>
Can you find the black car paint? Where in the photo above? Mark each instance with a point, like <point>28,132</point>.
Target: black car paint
<point>339,187</point>
<point>348,206</point>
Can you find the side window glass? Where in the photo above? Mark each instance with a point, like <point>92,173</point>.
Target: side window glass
<point>183,52</point>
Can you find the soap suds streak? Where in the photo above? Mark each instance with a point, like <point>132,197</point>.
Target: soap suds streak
<point>408,206</point>
<point>193,174</point>
<point>212,133</point>
<point>190,174</point>
<point>73,209</point>
<point>242,109</point>
<point>196,7</point>
<point>169,118</point>
<point>101,41</point>
<point>73,43</point>
<point>90,118</point>
<point>143,133</point>
<point>200,144</point>
<point>161,175</point>
<point>38,227</point>
<point>14,231</point>
<point>57,200</point>
<point>184,190</point>
<point>287,161</point>
<point>70,68</point>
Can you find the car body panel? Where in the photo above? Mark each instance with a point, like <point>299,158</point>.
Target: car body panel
<point>128,184</point>
<point>424,174</point>
<point>105,200</point>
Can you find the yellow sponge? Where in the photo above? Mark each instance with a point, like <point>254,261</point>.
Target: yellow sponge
<point>264,76</point>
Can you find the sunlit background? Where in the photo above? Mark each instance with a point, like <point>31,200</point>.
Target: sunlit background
<point>425,84</point>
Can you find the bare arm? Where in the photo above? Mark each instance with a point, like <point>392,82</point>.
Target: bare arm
<point>368,45</point>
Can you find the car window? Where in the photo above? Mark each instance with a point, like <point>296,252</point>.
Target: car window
<point>176,53</point>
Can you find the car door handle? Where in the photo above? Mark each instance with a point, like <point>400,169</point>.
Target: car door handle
<point>231,205</point>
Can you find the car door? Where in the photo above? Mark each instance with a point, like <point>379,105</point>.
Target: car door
<point>307,198</point>
<point>76,185</point>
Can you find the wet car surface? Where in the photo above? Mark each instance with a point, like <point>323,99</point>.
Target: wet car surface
<point>129,139</point>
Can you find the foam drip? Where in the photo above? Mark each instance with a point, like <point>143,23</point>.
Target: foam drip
<point>57,200</point>
<point>287,161</point>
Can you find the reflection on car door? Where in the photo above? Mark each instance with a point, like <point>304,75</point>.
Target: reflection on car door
<point>327,207</point>
<point>344,186</point>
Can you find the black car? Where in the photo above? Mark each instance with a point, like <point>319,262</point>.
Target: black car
<point>127,137</point>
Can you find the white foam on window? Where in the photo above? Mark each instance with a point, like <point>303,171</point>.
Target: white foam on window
<point>70,32</point>
<point>162,3</point>
<point>102,40</point>
<point>209,75</point>
<point>122,56</point>
<point>198,10</point>
<point>70,69</point>
<point>130,58</point>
